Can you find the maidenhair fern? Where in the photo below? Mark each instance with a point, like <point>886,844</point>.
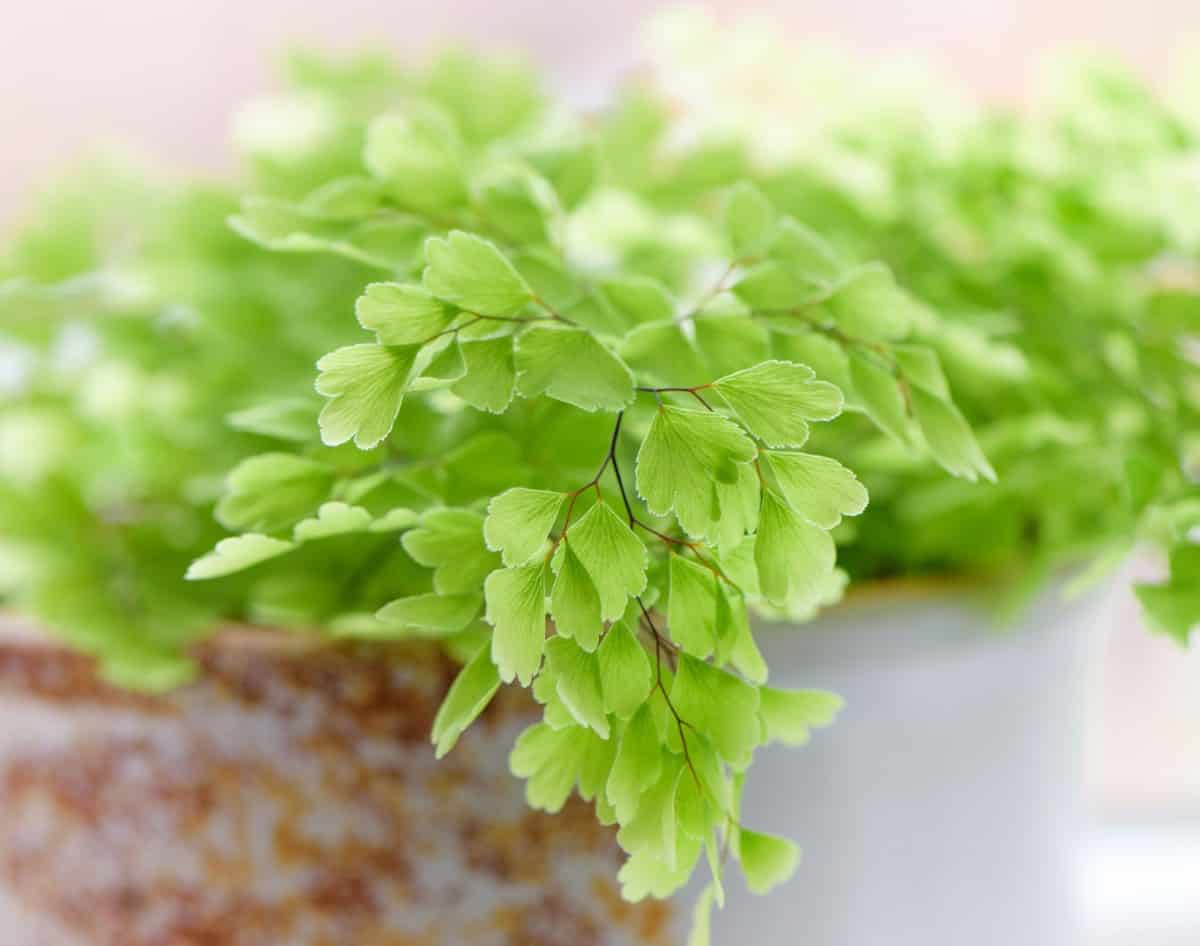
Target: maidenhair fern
<point>575,401</point>
<point>630,390</point>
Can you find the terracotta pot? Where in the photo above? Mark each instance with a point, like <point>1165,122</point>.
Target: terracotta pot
<point>288,798</point>
<point>944,806</point>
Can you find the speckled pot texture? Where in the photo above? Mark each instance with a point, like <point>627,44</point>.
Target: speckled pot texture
<point>289,797</point>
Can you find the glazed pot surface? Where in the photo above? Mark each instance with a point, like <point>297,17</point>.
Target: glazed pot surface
<point>943,807</point>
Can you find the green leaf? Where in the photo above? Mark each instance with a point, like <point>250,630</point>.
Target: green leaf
<point>577,682</point>
<point>386,240</point>
<point>825,356</point>
<point>471,273</point>
<point>735,509</point>
<point>431,612</point>
<point>1174,606</point>
<point>793,556</point>
<point>660,353</point>
<point>570,365</point>
<point>236,554</point>
<point>920,367</point>
<point>516,608</point>
<point>804,251</point>
<point>625,674</point>
<point>869,305</point>
<point>638,299</point>
<point>819,488</point>
<point>518,522</point>
<point>685,452</point>
<point>365,385</point>
<point>550,759</point>
<point>490,380</point>
<point>545,692</point>
<point>744,654</point>
<point>729,342</point>
<point>451,542</point>
<point>292,419</point>
<point>402,314</point>
<point>880,396</point>
<point>523,202</point>
<point>773,286</point>
<point>647,874</point>
<point>394,520</point>
<point>766,860</point>
<point>949,438</point>
<point>776,398</point>
<point>467,697</point>
<point>637,765</point>
<point>789,715</point>
<point>332,519</point>
<point>749,219</point>
<point>653,825</point>
<point>271,491</point>
<point>614,557</point>
<point>720,705</point>
<point>574,602</point>
<point>417,155</point>
<point>692,607</point>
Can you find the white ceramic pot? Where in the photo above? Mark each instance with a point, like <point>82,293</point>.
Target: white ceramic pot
<point>942,808</point>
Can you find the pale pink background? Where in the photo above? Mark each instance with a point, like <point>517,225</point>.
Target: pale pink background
<point>163,75</point>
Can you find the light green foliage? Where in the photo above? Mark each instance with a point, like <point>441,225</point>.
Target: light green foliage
<point>575,602</point>
<point>721,705</point>
<point>516,608</point>
<point>788,715</point>
<point>818,488</point>
<point>879,395</point>
<point>518,522</point>
<point>366,385</point>
<point>793,556</point>
<point>562,376</point>
<point>614,557</point>
<point>332,519</point>
<point>431,612</point>
<point>569,364</point>
<point>401,314</point>
<point>637,765</point>
<point>950,439</point>
<point>271,491</point>
<point>236,553</point>
<point>417,157</point>
<point>1173,606</point>
<point>775,399</point>
<point>867,304</point>
<point>471,273</point>
<point>625,675</point>
<point>749,219</point>
<point>688,456</point>
<point>1037,263</point>
<point>467,697</point>
<point>692,607</point>
<point>491,375</point>
<point>450,541</point>
<point>576,676</point>
<point>767,860</point>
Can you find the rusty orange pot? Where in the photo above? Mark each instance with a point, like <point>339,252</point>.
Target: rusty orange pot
<point>289,797</point>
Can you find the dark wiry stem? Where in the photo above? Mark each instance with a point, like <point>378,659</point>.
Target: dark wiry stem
<point>680,722</point>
